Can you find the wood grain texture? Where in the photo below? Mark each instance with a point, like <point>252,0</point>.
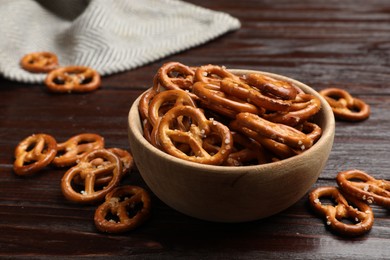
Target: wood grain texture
<point>321,43</point>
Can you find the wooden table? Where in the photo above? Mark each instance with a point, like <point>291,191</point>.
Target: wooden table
<point>342,44</point>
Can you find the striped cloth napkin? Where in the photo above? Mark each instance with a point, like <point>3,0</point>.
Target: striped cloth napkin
<point>109,36</point>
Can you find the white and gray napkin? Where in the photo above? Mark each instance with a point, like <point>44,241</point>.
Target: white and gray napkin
<point>109,36</point>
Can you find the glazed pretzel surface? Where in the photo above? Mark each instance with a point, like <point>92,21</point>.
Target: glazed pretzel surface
<point>143,108</point>
<point>39,62</point>
<point>345,106</point>
<point>274,148</point>
<point>212,97</point>
<point>301,110</point>
<point>279,113</point>
<point>337,97</point>
<point>127,163</point>
<point>75,147</point>
<point>282,89</point>
<point>212,74</point>
<point>312,130</point>
<point>363,186</point>
<point>175,75</point>
<point>199,129</point>
<point>144,102</point>
<point>113,215</point>
<point>252,95</point>
<point>278,132</point>
<point>125,157</point>
<point>245,150</point>
<point>34,153</point>
<point>345,208</point>
<point>171,98</point>
<point>95,164</point>
<point>72,79</point>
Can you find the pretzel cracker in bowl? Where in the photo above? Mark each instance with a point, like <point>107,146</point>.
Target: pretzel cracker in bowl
<point>276,110</point>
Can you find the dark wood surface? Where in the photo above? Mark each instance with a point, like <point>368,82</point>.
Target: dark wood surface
<point>343,44</point>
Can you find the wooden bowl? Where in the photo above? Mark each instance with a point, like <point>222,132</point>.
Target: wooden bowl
<point>231,194</point>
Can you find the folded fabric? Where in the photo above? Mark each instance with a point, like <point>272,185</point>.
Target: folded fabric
<point>109,36</point>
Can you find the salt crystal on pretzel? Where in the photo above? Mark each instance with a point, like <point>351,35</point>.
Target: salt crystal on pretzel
<point>200,128</point>
<point>118,203</point>
<point>69,79</point>
<point>363,186</point>
<point>89,173</point>
<point>345,106</point>
<point>34,153</point>
<point>346,207</point>
<point>39,62</point>
<point>279,132</point>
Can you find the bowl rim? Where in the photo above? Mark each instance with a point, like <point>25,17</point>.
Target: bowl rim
<point>328,131</point>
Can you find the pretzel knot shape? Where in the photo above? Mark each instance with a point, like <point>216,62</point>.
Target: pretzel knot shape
<point>312,130</point>
<point>337,97</point>
<point>280,150</point>
<point>125,157</point>
<point>302,109</point>
<point>39,62</point>
<point>70,151</point>
<point>345,106</point>
<point>212,74</point>
<point>144,102</point>
<point>93,165</point>
<point>174,97</point>
<point>364,187</point>
<point>200,128</point>
<point>127,163</point>
<point>360,213</point>
<point>143,108</point>
<point>34,153</point>
<point>113,215</point>
<point>245,150</point>
<point>281,89</point>
<point>217,100</point>
<point>73,79</point>
<point>252,95</point>
<point>279,132</point>
<point>175,75</point>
